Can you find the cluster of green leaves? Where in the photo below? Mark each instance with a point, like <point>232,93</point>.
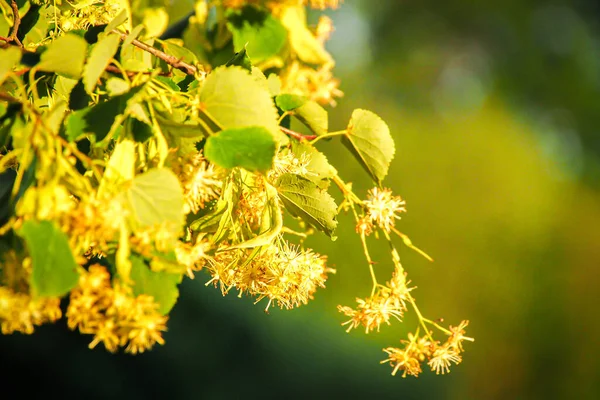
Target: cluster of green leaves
<point>110,111</point>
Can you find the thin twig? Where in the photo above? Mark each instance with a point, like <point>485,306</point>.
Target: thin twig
<point>17,21</point>
<point>9,98</point>
<point>171,60</point>
<point>297,135</point>
<point>114,69</point>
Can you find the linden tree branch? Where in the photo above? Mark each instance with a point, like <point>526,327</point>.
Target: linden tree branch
<point>169,59</point>
<point>16,23</point>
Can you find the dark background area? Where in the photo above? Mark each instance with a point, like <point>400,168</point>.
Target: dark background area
<point>495,109</point>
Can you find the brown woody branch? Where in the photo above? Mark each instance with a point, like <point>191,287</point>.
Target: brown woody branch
<point>16,23</point>
<point>297,135</point>
<point>169,59</point>
<point>115,70</point>
<point>9,98</point>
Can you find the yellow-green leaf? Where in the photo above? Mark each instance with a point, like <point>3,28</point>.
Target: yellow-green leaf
<point>235,100</point>
<point>313,116</point>
<point>9,57</point>
<point>53,267</point>
<point>264,35</point>
<point>100,57</point>
<point>120,167</point>
<point>252,148</point>
<point>369,139</point>
<point>155,198</point>
<point>65,56</point>
<point>161,285</point>
<point>304,199</point>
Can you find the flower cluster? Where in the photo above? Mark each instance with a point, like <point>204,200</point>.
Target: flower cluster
<point>382,210</point>
<point>387,302</point>
<point>20,313</point>
<point>288,163</point>
<point>284,274</point>
<point>439,357</point>
<point>113,315</point>
<point>200,180</point>
<point>81,16</point>
<point>92,224</point>
<point>317,84</point>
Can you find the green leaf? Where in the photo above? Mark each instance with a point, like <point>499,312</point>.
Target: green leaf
<point>227,202</point>
<point>78,98</point>
<point>155,19</point>
<point>181,130</point>
<point>100,57</point>
<point>274,84</point>
<point>116,22</point>
<point>314,117</point>
<point>289,102</point>
<point>318,166</point>
<point>99,119</point>
<point>235,100</point>
<point>140,130</point>
<point>169,82</point>
<point>241,59</point>
<point>264,35</point>
<point>155,197</point>
<point>302,40</point>
<point>211,218</point>
<point>53,270</point>
<point>29,20</point>
<point>162,286</point>
<point>117,86</point>
<point>252,148</point>
<point>304,199</point>
<point>132,36</point>
<point>369,139</point>
<point>8,59</point>
<point>175,50</point>
<point>64,86</point>
<point>120,167</point>
<point>64,56</point>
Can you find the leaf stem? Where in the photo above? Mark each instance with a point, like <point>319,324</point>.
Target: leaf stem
<point>296,135</point>
<point>441,328</point>
<point>421,318</point>
<point>408,243</point>
<point>363,240</point>
<point>328,135</point>
<point>211,118</point>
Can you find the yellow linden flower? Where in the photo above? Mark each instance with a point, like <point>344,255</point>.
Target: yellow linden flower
<point>442,358</point>
<point>200,180</point>
<point>146,325</point>
<point>457,336</point>
<point>409,359</point>
<point>113,315</point>
<point>404,360</point>
<point>382,207</point>
<point>20,313</point>
<point>318,85</point>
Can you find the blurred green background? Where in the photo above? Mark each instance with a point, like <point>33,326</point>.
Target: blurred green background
<point>495,108</point>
